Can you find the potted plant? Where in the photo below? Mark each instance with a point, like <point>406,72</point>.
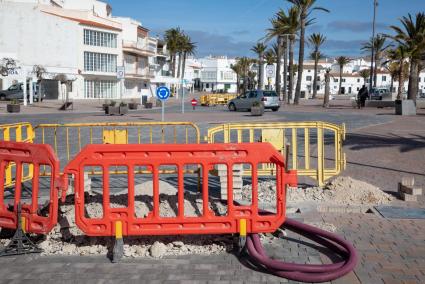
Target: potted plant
<point>13,106</point>
<point>149,104</point>
<point>133,105</point>
<point>105,105</point>
<point>123,108</point>
<point>257,109</point>
<point>112,108</point>
<point>405,107</point>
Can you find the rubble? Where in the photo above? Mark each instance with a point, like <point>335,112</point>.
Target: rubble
<point>340,191</point>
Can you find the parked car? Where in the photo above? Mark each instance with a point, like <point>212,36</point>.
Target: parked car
<point>380,93</point>
<point>16,92</point>
<point>270,100</point>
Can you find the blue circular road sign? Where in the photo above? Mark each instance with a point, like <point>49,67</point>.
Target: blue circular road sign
<point>163,93</point>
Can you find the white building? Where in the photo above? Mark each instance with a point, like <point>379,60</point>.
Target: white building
<point>82,47</point>
<point>80,43</point>
<point>139,53</point>
<point>217,75</point>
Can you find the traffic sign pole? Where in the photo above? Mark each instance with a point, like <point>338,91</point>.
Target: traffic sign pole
<point>163,94</point>
<point>163,111</point>
<point>182,88</point>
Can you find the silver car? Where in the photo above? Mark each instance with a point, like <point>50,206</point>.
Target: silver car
<point>245,101</point>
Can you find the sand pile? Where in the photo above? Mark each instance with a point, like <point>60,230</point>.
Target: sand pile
<point>340,191</point>
<point>67,239</point>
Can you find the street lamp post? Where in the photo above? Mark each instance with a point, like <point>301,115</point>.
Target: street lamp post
<point>375,4</point>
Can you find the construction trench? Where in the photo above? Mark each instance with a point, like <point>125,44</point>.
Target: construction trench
<point>106,193</point>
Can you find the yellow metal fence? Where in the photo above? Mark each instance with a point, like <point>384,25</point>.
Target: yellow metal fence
<point>67,140</point>
<point>18,132</point>
<point>315,147</point>
<point>216,99</point>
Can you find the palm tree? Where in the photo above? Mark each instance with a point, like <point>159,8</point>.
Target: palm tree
<point>397,57</point>
<point>172,39</point>
<point>286,23</point>
<point>378,45</point>
<point>327,88</point>
<point>270,59</point>
<point>342,61</point>
<point>316,40</point>
<point>238,70</point>
<point>411,36</point>
<point>260,49</point>
<point>278,55</point>
<point>245,63</point>
<point>305,7</point>
<point>188,48</point>
<point>364,73</point>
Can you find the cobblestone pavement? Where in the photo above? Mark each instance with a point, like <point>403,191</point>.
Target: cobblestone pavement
<point>390,251</point>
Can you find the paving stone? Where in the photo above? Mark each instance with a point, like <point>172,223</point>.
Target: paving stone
<point>408,197</point>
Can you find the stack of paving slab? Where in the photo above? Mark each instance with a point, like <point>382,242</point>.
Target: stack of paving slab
<point>407,189</point>
<point>237,181</point>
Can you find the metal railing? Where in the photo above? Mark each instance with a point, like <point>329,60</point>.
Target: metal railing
<point>16,132</point>
<point>319,155</point>
<point>67,140</point>
<point>216,99</point>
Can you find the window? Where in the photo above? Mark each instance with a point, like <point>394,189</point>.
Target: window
<point>252,95</point>
<point>209,75</point>
<point>227,75</point>
<point>318,78</point>
<point>358,80</point>
<point>308,78</point>
<point>96,38</point>
<point>336,80</point>
<point>100,62</point>
<point>384,78</point>
<point>94,89</point>
<point>343,80</point>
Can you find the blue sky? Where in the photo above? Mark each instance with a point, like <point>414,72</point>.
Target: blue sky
<point>232,27</point>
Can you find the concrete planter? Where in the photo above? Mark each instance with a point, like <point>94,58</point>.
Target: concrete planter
<point>123,110</point>
<point>405,107</point>
<point>12,108</point>
<point>116,110</point>
<point>133,106</point>
<point>257,111</point>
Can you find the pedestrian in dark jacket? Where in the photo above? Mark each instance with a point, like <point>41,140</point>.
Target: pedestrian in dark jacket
<point>362,97</point>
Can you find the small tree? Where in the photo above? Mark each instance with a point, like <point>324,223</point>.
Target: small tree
<point>342,61</point>
<point>365,74</point>
<point>7,65</point>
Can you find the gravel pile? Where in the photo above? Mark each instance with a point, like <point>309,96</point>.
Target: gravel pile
<point>340,191</point>
<point>67,239</point>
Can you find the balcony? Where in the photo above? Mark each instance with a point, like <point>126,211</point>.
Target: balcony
<point>133,72</point>
<point>144,47</point>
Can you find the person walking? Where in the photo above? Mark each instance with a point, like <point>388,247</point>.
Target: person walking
<point>362,97</point>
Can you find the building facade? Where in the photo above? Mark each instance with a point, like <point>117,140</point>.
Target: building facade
<point>217,75</point>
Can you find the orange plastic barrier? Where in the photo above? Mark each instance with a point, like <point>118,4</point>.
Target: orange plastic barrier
<point>123,221</point>
<point>31,156</point>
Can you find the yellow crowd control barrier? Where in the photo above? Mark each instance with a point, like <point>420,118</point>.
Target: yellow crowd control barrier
<point>315,147</point>
<point>216,99</point>
<point>17,132</point>
<point>67,140</point>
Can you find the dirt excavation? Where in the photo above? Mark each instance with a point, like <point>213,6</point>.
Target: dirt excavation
<point>67,239</point>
